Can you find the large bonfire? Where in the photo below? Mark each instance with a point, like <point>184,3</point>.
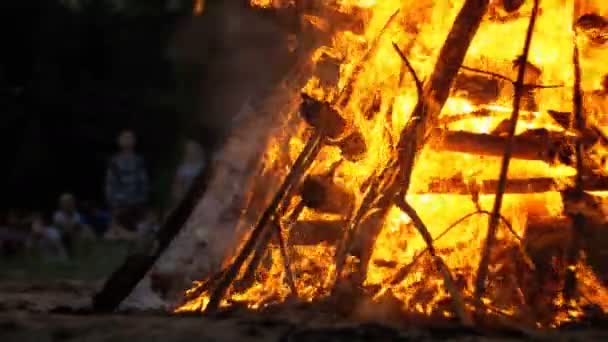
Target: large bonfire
<point>399,195</point>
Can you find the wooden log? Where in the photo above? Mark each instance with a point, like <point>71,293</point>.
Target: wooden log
<point>482,270</point>
<point>513,186</point>
<point>576,193</point>
<point>322,116</point>
<point>543,145</point>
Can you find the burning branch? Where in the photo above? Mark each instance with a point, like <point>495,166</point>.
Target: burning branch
<point>412,139</point>
<point>439,263</point>
<point>520,90</point>
<point>576,194</point>
<point>405,270</point>
<point>281,198</point>
<point>505,78</point>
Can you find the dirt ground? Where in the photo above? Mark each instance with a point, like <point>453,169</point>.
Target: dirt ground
<point>48,311</point>
<point>41,301</point>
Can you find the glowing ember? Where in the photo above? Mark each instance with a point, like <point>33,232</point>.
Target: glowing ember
<point>380,102</point>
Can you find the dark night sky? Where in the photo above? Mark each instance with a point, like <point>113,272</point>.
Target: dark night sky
<point>69,81</point>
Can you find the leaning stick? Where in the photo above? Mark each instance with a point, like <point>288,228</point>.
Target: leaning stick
<point>305,159</point>
<point>578,219</point>
<point>291,282</point>
<point>482,271</point>
<point>265,240</point>
<point>457,301</point>
<point>425,114</point>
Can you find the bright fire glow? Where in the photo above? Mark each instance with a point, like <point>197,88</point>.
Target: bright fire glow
<point>420,30</point>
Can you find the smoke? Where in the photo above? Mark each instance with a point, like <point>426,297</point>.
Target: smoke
<point>231,53</point>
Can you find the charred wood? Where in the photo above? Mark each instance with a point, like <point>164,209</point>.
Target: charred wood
<point>322,116</point>
<point>520,91</point>
<point>576,193</point>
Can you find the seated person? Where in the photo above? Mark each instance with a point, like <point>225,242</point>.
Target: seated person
<point>45,239</point>
<point>70,223</point>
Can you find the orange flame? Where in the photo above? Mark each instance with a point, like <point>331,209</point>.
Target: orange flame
<point>421,29</point>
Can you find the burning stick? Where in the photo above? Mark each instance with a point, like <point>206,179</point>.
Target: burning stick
<point>425,114</point>
<point>305,159</point>
<point>285,256</point>
<point>405,270</point>
<point>439,263</point>
<point>520,90</point>
<point>576,194</point>
<point>541,144</point>
<point>260,251</point>
<point>458,186</point>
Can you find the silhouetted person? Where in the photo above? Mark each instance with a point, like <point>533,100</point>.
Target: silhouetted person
<point>127,184</point>
<point>192,163</point>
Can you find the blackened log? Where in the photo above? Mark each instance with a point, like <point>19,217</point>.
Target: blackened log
<point>322,116</point>
<point>323,195</point>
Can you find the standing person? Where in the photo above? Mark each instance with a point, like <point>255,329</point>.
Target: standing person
<point>192,163</point>
<point>126,184</point>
